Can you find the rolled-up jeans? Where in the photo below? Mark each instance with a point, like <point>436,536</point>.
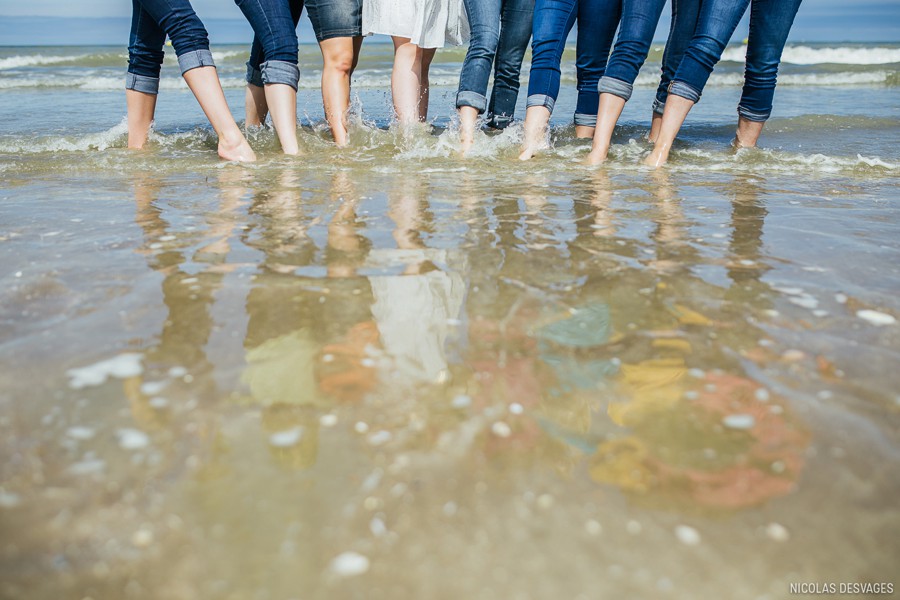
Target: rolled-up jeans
<point>553,20</point>
<point>275,32</point>
<point>151,21</point>
<point>636,29</point>
<point>501,30</point>
<point>684,21</point>
<point>770,23</point>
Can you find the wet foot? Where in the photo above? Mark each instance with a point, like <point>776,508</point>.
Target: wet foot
<point>239,151</point>
<point>528,153</point>
<point>595,158</point>
<point>656,159</point>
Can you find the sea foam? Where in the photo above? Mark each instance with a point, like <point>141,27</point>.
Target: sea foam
<point>840,55</point>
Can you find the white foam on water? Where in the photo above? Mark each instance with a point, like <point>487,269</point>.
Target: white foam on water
<point>838,55</point>
<point>122,366</point>
<point>31,60</point>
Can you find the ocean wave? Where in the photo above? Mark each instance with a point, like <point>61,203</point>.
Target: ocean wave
<point>387,150</point>
<point>445,77</point>
<point>103,140</point>
<point>99,59</point>
<point>31,60</point>
<point>841,55</point>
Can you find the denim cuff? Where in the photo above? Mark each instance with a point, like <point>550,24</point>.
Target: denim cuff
<point>472,99</point>
<point>254,76</point>
<point>750,115</point>
<point>658,107</point>
<point>195,58</point>
<point>616,87</point>
<point>141,83</point>
<point>684,90</point>
<point>540,100</point>
<point>280,71</point>
<point>585,120</point>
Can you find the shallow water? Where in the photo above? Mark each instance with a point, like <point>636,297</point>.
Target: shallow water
<point>387,372</point>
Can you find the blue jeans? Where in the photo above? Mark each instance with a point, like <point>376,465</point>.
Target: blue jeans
<point>275,32</point>
<point>501,30</point>
<point>151,21</point>
<point>770,23</point>
<point>636,29</point>
<point>684,21</point>
<point>335,18</point>
<point>553,20</point>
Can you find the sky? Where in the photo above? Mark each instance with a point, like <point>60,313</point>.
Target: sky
<point>817,21</point>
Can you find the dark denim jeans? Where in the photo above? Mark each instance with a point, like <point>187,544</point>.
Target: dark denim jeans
<point>770,23</point>
<point>151,21</point>
<point>275,32</point>
<point>553,20</point>
<point>636,29</point>
<point>501,30</point>
<point>684,21</point>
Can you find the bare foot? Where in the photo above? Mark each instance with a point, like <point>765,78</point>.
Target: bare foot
<point>533,144</point>
<point>237,150</point>
<point>596,157</point>
<point>657,158</point>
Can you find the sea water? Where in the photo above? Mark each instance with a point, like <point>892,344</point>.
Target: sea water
<point>390,372</point>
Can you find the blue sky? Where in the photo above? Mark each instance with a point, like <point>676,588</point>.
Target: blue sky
<point>818,20</point>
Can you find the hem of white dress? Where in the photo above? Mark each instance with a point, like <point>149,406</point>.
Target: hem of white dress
<point>413,40</point>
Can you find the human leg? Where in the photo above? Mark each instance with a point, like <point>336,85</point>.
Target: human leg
<point>516,18</point>
<point>553,20</point>
<point>273,27</point>
<point>636,29</point>
<point>770,24</point>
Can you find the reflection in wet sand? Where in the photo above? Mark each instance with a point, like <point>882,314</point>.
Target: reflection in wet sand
<point>559,384</point>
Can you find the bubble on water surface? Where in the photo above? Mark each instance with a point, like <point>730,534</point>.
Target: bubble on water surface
<point>121,367</point>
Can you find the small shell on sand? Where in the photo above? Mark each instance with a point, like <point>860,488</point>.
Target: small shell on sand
<point>380,437</point>
<point>876,318</point>
<point>739,421</point>
<point>132,439</point>
<point>461,401</point>
<point>501,429</point>
<point>349,564</point>
<point>80,433</point>
<point>777,532</point>
<point>9,499</point>
<point>687,535</point>
<point>287,438</point>
<point>142,538</point>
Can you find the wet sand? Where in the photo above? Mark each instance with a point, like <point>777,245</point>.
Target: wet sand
<point>388,372</point>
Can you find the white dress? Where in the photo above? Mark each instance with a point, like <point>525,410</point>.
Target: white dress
<point>427,23</point>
